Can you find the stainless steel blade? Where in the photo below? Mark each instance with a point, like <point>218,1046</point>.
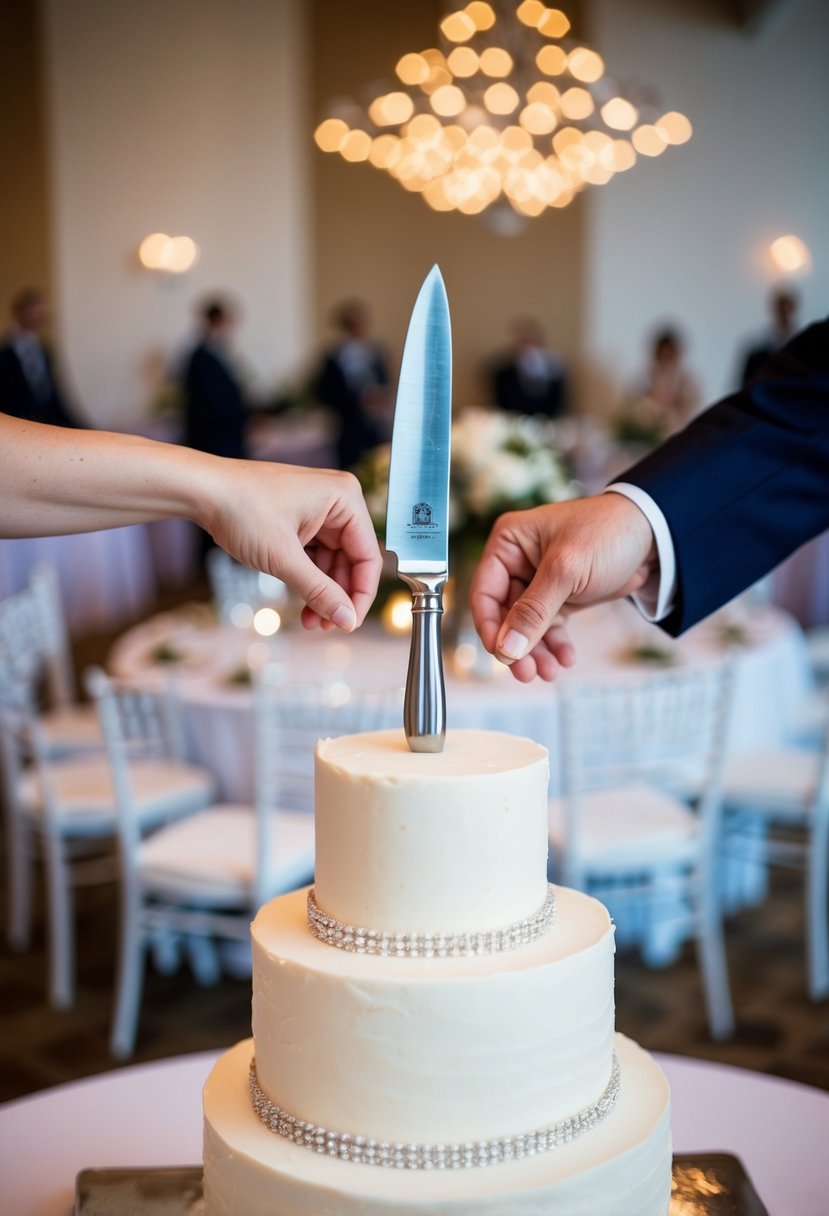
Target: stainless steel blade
<point>418,503</point>
<point>418,507</point>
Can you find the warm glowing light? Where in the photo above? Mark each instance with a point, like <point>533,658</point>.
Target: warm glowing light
<point>551,60</point>
<point>648,140</point>
<point>624,157</point>
<point>495,61</point>
<point>175,254</point>
<point>538,119</point>
<point>543,93</point>
<point>675,128</point>
<point>385,150</point>
<point>567,137</point>
<point>531,12</point>
<point>463,61</point>
<point>266,622</point>
<point>448,101</point>
<point>412,69</point>
<point>577,103</point>
<point>151,250</point>
<point>391,109</point>
<point>619,114</point>
<point>481,14</point>
<point>501,98</point>
<point>356,146</point>
<point>790,254</point>
<point>397,611</point>
<point>423,129</point>
<point>585,65</point>
<point>553,24</point>
<point>330,134</point>
<point>457,27</point>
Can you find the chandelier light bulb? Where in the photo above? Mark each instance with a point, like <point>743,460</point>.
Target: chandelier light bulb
<point>648,140</point>
<point>577,103</point>
<point>553,24</point>
<point>585,65</point>
<point>675,128</point>
<point>330,134</point>
<point>356,146</point>
<point>619,114</point>
<point>530,12</point>
<point>501,98</point>
<point>551,60</point>
<point>412,69</point>
<point>457,27</point>
<point>538,118</point>
<point>448,101</point>
<point>495,61</point>
<point>463,61</point>
<point>481,14</point>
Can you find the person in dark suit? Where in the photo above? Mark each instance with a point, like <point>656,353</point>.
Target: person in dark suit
<point>215,410</point>
<point>531,379</point>
<point>697,521</point>
<point>29,387</point>
<point>352,380</point>
<point>783,305</point>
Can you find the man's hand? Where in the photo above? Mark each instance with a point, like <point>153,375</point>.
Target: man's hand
<point>309,527</point>
<point>541,564</point>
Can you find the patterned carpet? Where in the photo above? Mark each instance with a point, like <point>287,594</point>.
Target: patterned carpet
<point>779,1030</point>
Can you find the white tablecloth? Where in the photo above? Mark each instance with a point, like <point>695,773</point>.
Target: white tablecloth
<point>106,579</point>
<point>772,678</point>
<point>150,1115</point>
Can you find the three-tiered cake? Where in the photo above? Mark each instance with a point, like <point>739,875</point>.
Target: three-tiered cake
<point>433,1026</point>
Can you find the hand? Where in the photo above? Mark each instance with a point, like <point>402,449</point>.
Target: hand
<point>308,527</point>
<point>540,565</point>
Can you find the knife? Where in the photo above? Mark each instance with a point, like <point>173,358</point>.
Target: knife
<point>418,504</point>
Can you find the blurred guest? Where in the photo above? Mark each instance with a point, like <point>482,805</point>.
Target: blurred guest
<point>530,379</point>
<point>29,387</point>
<point>352,380</point>
<point>783,306</point>
<point>215,409</point>
<point>667,384</point>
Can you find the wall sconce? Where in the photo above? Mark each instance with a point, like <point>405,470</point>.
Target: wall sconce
<point>790,255</point>
<point>175,254</point>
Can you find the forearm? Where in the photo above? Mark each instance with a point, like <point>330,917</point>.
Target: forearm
<point>55,481</point>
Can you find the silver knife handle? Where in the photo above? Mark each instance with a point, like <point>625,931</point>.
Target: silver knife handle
<point>424,708</point>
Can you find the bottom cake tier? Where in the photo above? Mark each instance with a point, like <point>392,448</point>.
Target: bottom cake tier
<point>620,1167</point>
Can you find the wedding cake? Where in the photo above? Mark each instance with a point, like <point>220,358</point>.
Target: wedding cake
<point>433,1025</point>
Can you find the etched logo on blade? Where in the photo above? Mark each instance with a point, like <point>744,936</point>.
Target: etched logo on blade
<point>422,519</point>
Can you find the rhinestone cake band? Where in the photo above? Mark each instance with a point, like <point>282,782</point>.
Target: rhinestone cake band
<point>432,1156</point>
<point>430,945</point>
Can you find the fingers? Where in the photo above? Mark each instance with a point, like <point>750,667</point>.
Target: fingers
<point>325,599</point>
<point>535,611</point>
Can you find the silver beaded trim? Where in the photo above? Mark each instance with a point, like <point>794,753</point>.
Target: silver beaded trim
<point>364,1151</point>
<point>358,940</point>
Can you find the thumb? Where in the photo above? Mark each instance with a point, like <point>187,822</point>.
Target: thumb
<point>532,614</point>
<point>322,594</point>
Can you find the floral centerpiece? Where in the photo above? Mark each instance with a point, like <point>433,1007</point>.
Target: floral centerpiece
<point>500,462</point>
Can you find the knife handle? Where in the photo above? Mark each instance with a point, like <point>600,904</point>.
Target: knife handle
<point>424,707</point>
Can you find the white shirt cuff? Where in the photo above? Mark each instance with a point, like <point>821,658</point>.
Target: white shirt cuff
<point>655,600</point>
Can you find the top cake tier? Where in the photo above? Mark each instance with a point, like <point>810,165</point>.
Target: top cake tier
<point>449,842</point>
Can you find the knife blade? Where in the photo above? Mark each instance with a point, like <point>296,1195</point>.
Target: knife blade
<point>418,504</point>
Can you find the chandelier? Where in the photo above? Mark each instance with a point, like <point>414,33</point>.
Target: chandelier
<point>510,110</point>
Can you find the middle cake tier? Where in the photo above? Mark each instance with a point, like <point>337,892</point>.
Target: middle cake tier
<point>426,1050</point>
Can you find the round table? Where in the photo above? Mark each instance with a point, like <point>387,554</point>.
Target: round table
<point>150,1115</point>
<point>772,676</point>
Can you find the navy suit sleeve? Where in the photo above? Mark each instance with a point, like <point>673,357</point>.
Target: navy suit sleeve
<point>747,482</point>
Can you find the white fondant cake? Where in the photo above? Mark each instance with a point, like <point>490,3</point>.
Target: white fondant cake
<point>441,1032</point>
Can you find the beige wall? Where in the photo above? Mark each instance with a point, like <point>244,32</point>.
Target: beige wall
<point>24,206</point>
<point>187,118</point>
<point>374,240</point>
<point>685,236</point>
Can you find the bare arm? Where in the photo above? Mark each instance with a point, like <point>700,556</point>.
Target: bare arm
<point>309,527</point>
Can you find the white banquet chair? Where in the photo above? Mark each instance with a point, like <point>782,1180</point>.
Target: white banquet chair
<point>624,826</point>
<point>785,792</point>
<point>203,877</point>
<point>33,632</point>
<point>64,810</point>
<point>232,584</point>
